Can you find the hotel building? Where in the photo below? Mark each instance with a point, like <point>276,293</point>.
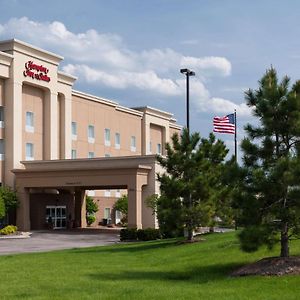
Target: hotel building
<point>58,145</point>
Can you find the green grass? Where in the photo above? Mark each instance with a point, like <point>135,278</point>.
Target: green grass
<point>150,270</point>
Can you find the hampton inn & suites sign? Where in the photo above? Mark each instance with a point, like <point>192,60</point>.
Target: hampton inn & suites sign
<point>35,71</point>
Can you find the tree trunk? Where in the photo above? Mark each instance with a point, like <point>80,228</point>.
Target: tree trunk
<point>190,235</point>
<point>284,240</point>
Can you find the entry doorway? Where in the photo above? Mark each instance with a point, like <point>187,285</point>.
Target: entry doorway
<point>57,215</point>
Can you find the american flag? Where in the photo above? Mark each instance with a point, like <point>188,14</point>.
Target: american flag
<point>224,124</point>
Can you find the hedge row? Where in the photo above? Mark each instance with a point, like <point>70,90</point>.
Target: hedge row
<point>133,234</point>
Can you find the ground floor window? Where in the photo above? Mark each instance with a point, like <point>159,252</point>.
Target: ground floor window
<point>107,213</point>
<point>57,216</point>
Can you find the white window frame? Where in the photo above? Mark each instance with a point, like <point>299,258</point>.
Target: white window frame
<point>29,156</point>
<point>133,143</point>
<point>91,154</point>
<point>29,122</point>
<point>107,137</point>
<point>107,155</point>
<point>74,132</point>
<point>117,140</point>
<point>91,134</point>
<point>73,154</point>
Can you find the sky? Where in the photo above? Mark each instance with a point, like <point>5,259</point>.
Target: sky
<point>131,51</point>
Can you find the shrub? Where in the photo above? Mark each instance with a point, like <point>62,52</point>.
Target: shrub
<point>91,206</point>
<point>10,229</point>
<point>90,219</point>
<point>148,234</point>
<point>132,234</point>
<point>128,234</point>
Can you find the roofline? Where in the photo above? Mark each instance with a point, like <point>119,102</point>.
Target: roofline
<point>23,47</point>
<point>94,98</point>
<point>65,78</point>
<point>155,111</point>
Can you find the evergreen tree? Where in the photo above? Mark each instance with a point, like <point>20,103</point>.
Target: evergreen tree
<point>268,191</point>
<point>191,182</point>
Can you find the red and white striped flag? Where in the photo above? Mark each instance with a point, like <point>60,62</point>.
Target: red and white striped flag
<point>225,124</point>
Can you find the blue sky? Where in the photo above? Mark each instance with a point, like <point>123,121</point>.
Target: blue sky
<point>131,51</point>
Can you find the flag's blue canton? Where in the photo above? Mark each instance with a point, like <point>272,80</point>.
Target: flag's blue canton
<point>231,118</point>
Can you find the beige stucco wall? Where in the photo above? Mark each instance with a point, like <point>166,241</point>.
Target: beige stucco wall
<point>156,137</point>
<point>33,99</point>
<point>1,92</point>
<point>86,112</point>
<point>2,165</point>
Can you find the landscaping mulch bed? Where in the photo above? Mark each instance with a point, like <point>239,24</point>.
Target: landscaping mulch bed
<point>277,266</point>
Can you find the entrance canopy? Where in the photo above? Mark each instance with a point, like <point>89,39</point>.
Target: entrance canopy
<point>134,173</point>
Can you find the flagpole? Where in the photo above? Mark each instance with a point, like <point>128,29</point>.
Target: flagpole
<point>235,141</point>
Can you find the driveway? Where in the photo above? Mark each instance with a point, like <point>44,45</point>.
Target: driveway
<point>41,241</point>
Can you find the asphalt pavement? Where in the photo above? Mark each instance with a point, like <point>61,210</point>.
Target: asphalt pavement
<point>42,241</point>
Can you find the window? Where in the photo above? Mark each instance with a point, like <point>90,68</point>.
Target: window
<point>117,140</point>
<point>29,151</point>
<point>107,137</point>
<point>107,213</point>
<point>118,194</point>
<point>91,155</point>
<point>74,131</point>
<point>1,117</point>
<point>91,193</point>
<point>107,193</point>
<point>106,155</point>
<point>158,150</point>
<point>91,134</point>
<point>74,154</point>
<point>150,147</point>
<point>133,144</point>
<point>1,149</point>
<point>29,122</point>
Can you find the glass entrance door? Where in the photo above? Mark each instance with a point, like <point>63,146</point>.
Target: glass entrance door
<point>57,215</point>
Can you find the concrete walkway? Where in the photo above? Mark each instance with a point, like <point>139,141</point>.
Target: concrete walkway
<point>41,241</point>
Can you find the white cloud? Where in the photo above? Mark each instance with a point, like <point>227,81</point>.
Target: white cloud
<point>216,64</point>
<point>103,59</point>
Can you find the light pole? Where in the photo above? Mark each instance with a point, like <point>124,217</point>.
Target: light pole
<point>187,73</point>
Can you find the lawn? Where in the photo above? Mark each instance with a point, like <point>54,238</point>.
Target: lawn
<point>149,270</point>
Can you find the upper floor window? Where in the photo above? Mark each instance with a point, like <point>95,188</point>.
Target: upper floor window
<point>29,151</point>
<point>107,137</point>
<point>150,147</point>
<point>91,155</point>
<point>106,155</point>
<point>117,140</point>
<point>29,122</point>
<point>74,154</point>
<point>91,134</point>
<point>158,150</point>
<point>1,149</point>
<point>74,131</point>
<point>133,144</point>
<point>1,117</point>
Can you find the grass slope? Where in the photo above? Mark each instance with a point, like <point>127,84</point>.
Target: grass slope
<point>151,270</point>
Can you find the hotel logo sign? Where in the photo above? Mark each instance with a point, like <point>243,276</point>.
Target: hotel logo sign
<point>35,71</point>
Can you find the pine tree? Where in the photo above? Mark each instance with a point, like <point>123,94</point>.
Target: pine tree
<point>191,181</point>
<point>268,194</point>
